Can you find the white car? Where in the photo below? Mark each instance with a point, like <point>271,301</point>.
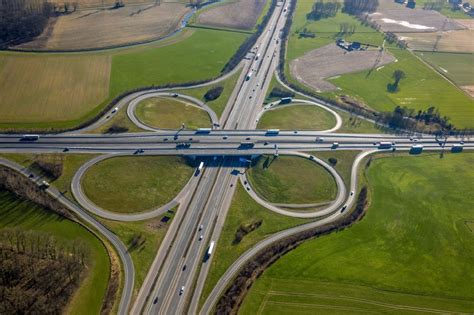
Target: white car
<point>114,110</point>
<point>201,237</point>
<point>181,291</point>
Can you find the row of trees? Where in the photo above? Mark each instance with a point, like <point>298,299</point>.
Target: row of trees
<point>356,7</point>
<point>411,119</point>
<point>22,20</point>
<point>51,167</point>
<point>323,9</point>
<point>38,275</point>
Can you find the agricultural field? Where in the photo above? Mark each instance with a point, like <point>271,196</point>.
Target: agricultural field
<point>291,180</point>
<point>297,117</point>
<point>422,88</point>
<point>88,298</point>
<point>244,211</point>
<point>457,67</point>
<point>239,14</point>
<point>453,41</point>
<point>150,181</point>
<point>314,67</point>
<point>412,252</point>
<point>168,113</point>
<point>124,26</point>
<point>41,89</point>
<point>68,89</point>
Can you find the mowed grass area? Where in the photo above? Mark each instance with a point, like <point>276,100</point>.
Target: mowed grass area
<point>25,215</point>
<point>218,105</point>
<point>297,116</point>
<point>412,252</point>
<point>422,87</point>
<point>134,184</point>
<point>457,67</point>
<point>168,113</point>
<point>291,180</point>
<point>198,57</point>
<point>142,239</point>
<point>56,88</point>
<point>57,91</point>
<point>243,210</point>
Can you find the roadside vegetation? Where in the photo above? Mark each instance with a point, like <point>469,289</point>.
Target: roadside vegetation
<point>410,252</point>
<point>218,104</point>
<point>244,215</point>
<point>168,113</point>
<point>150,181</point>
<point>291,180</point>
<point>297,117</point>
<point>86,292</point>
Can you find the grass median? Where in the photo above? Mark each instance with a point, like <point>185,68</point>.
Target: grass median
<point>168,113</point>
<point>411,252</point>
<point>135,184</point>
<point>291,180</point>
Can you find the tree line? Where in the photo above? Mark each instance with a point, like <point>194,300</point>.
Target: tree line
<point>38,275</point>
<point>411,119</point>
<point>22,20</point>
<point>323,9</point>
<point>356,7</point>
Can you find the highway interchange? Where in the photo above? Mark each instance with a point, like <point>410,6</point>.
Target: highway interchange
<point>176,278</point>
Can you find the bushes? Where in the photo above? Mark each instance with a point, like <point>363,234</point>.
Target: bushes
<point>213,93</point>
<point>246,229</point>
<point>116,128</point>
<point>280,93</point>
<point>333,161</point>
<point>52,169</point>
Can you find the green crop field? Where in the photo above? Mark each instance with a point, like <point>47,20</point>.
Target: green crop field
<point>67,89</point>
<point>457,67</point>
<point>421,89</point>
<point>292,180</point>
<point>149,181</point>
<point>168,113</point>
<point>16,213</point>
<point>201,56</point>
<point>243,210</point>
<point>297,116</point>
<point>411,253</point>
<point>218,104</point>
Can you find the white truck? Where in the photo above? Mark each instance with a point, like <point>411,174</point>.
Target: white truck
<point>272,132</point>
<point>199,169</point>
<point>210,249</point>
<point>385,145</point>
<point>29,137</point>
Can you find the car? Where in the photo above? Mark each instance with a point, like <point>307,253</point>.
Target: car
<point>175,95</point>
<point>44,185</point>
<point>184,267</point>
<point>114,110</point>
<point>201,227</point>
<point>155,300</point>
<point>375,143</point>
<point>165,139</point>
<point>65,149</point>
<point>352,193</point>
<point>250,96</point>
<point>335,145</point>
<point>311,157</point>
<point>181,291</point>
<point>265,143</point>
<point>295,131</point>
<point>225,137</point>
<point>248,188</point>
<point>461,142</point>
<point>248,138</point>
<point>201,237</point>
<point>190,139</point>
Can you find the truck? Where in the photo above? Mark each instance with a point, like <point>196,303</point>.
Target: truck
<point>203,130</point>
<point>29,138</point>
<point>210,249</point>
<point>199,169</point>
<point>272,132</point>
<point>385,145</point>
<point>286,100</point>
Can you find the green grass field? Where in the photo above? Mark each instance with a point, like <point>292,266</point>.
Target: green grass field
<point>457,67</point>
<point>243,210</point>
<point>16,213</point>
<point>67,90</point>
<point>150,233</point>
<point>411,253</point>
<point>301,117</point>
<point>149,181</point>
<point>218,104</point>
<point>344,162</point>
<point>168,113</point>
<point>421,88</point>
<point>291,180</point>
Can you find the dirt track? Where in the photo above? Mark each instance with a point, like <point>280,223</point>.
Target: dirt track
<point>315,66</point>
<point>242,14</point>
<point>103,28</point>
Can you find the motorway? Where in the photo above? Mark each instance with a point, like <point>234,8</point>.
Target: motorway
<point>175,281</point>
